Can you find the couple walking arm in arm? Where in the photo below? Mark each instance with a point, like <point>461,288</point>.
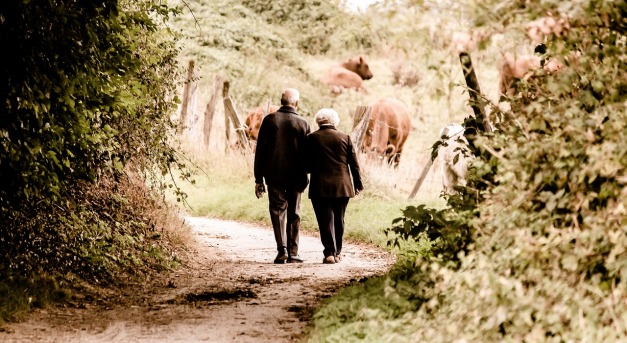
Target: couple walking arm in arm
<point>286,152</point>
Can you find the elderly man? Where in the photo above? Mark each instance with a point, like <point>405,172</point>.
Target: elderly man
<point>279,160</point>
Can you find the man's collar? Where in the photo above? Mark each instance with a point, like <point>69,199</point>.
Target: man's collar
<point>288,108</point>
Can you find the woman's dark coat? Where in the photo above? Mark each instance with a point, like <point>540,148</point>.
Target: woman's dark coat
<point>332,164</point>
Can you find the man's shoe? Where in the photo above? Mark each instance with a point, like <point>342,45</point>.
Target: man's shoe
<point>329,260</point>
<point>338,258</point>
<point>295,259</point>
<point>281,257</point>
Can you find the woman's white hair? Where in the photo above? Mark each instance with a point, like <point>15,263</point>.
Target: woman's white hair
<point>327,116</point>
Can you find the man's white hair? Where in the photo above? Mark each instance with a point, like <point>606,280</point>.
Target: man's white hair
<point>290,96</point>
<point>327,116</point>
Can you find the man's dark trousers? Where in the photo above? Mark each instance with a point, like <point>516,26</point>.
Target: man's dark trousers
<point>285,217</point>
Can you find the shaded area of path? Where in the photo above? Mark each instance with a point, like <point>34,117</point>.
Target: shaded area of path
<point>230,291</point>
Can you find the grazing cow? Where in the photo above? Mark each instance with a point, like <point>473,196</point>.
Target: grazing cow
<point>348,75</point>
<point>253,122</point>
<point>387,130</point>
<point>454,156</point>
<point>522,67</point>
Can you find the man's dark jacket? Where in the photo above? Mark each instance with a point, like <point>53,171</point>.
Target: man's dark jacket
<point>279,156</point>
<point>330,157</point>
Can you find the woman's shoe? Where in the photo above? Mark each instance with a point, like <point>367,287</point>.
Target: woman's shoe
<point>329,260</point>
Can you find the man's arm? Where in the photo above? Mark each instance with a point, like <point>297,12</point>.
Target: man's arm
<point>260,153</point>
<point>258,164</point>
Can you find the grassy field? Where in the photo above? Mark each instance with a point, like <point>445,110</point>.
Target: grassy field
<point>225,180</point>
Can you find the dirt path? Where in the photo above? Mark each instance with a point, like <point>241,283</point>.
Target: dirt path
<point>230,292</point>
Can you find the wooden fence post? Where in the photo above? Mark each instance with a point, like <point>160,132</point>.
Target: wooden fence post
<point>211,109</point>
<point>231,113</point>
<point>227,122</point>
<point>360,125</point>
<point>421,178</point>
<point>187,90</point>
<point>476,100</point>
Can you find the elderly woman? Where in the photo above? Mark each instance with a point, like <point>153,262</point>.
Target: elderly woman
<point>332,163</point>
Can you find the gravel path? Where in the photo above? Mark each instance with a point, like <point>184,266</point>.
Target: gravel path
<point>230,291</point>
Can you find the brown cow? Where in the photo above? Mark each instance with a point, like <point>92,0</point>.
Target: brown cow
<point>387,130</point>
<point>522,67</point>
<point>348,75</point>
<point>253,122</point>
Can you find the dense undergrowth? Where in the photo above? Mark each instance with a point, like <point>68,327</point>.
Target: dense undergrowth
<point>85,137</point>
<point>119,231</point>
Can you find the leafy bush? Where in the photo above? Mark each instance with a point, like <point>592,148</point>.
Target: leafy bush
<point>116,228</point>
<point>87,95</point>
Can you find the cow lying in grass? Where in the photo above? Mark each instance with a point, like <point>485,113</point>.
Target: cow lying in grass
<point>348,75</point>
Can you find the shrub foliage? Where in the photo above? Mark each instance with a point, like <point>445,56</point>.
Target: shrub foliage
<point>87,94</point>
